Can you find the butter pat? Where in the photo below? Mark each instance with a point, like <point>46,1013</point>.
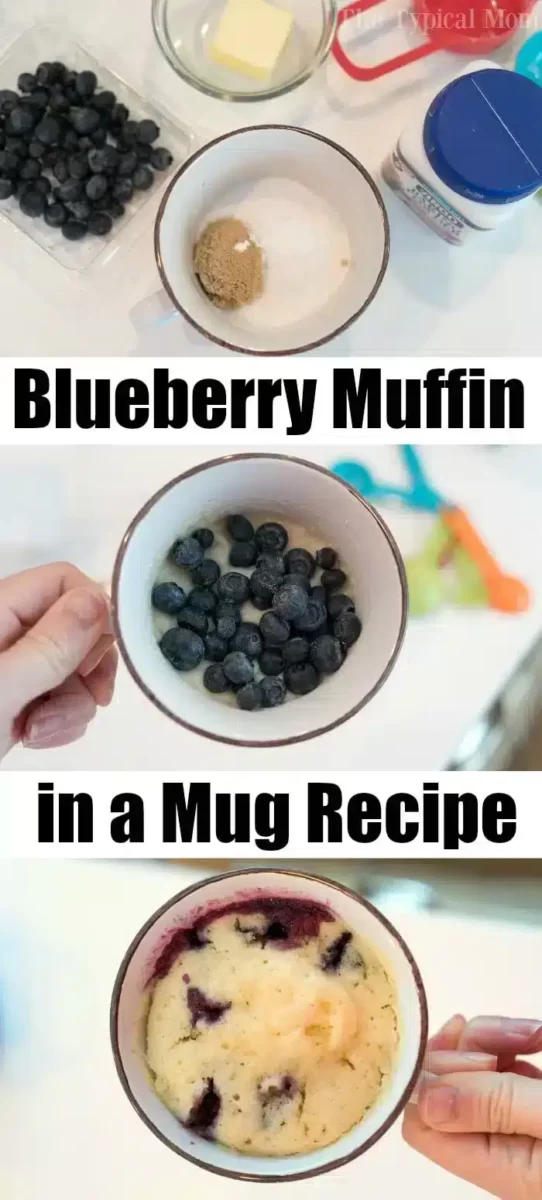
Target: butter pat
<point>251,37</point>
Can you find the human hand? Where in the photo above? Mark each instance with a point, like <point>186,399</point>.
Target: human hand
<point>57,656</point>
<point>477,1111</point>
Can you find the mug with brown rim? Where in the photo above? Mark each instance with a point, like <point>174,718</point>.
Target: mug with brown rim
<point>297,492</point>
<point>321,223</point>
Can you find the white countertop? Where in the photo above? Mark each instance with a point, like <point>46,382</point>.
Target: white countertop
<point>453,664</point>
<point>435,299</point>
<point>66,1128</point>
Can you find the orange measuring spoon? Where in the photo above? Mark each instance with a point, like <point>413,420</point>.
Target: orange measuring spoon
<point>505,593</point>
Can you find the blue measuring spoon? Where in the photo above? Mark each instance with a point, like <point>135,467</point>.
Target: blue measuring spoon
<point>419,495</point>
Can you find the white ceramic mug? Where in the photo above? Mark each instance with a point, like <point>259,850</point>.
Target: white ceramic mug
<point>294,490</point>
<point>225,174</point>
<point>128,1018</point>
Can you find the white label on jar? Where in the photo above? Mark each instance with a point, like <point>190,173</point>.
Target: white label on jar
<point>424,201</point>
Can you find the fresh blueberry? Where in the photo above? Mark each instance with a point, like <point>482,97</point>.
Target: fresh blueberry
<point>216,648</point>
<point>291,601</point>
<point>35,150</point>
<point>302,581</point>
<point>85,84</point>
<point>301,678</point>
<point>261,603</point>
<point>59,102</point>
<point>204,1112</point>
<point>17,146</point>
<point>104,101</point>
<point>32,203</point>
<point>271,537</point>
<point>207,573</point>
<point>238,668</point>
<point>129,132</point>
<point>42,184</point>
<point>44,73</point>
<point>168,598</point>
<point>249,697</point>
<point>295,650</point>
<point>22,121</point>
<point>81,210</point>
<point>39,100</point>
<point>96,188</point>
<point>273,692</point>
<point>60,171</point>
<point>326,558</point>
<point>274,631</point>
<point>347,627</point>
<point>183,648</point>
<point>191,618</point>
<point>119,114</point>
<point>300,562</point>
<point>29,169</point>
<point>271,564</point>
<point>333,579</point>
<point>187,552</point>
<point>69,191</point>
<point>100,224</point>
<point>319,593</point>
<point>215,680</point>
<point>147,132</point>
<point>248,639</point>
<point>313,619</point>
<point>127,163</point>
<point>205,537</point>
<point>243,554</point>
<point>114,208</point>
<point>104,161</point>
<point>85,121</point>
<point>27,82</point>
<point>327,654</point>
<point>239,528</point>
<point>202,599</point>
<point>263,585</point>
<point>334,953</point>
<point>73,231</point>
<point>142,179</point>
<point>98,137</point>
<point>6,188</point>
<point>48,131</point>
<point>123,190</point>
<point>233,587</point>
<point>338,603</point>
<point>9,164</point>
<point>225,608</point>
<point>8,101</point>
<point>161,158</point>
<point>271,662</point>
<point>225,627</point>
<point>56,215</point>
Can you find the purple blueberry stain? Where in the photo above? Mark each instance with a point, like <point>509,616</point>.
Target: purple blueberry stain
<point>203,1009</point>
<point>333,955</point>
<point>205,1110</point>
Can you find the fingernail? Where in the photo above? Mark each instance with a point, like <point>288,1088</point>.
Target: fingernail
<point>438,1103</point>
<point>450,1024</point>
<point>49,726</point>
<point>86,606</point>
<point>423,1079</point>
<point>518,1028</point>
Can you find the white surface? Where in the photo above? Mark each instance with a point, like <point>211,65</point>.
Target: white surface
<point>77,505</point>
<point>435,299</point>
<point>66,1128</point>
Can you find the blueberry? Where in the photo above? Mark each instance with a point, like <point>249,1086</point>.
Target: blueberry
<point>243,554</point>
<point>45,73</point>
<point>300,562</point>
<point>274,631</point>
<point>143,154</point>
<point>70,141</point>
<point>161,158</point>
<point>327,654</point>
<point>78,166</point>
<point>202,599</point>
<point>225,608</point>
<point>271,564</point>
<point>187,552</point>
<point>104,161</point>
<point>129,132</point>
<point>271,662</point>
<point>9,163</point>
<point>238,668</point>
<point>60,171</point>
<point>249,697</point>
<point>302,581</point>
<point>85,121</point>
<point>32,203</point>
<point>301,678</point>
<point>168,598</point>
<point>205,537</point>
<point>100,224</point>
<point>333,579</point>
<point>96,187</point>
<point>347,627</point>
<point>216,648</point>
<point>334,953</point>
<point>8,101</point>
<point>326,558</point>
<point>114,208</point>
<point>225,627</point>
<point>48,131</point>
<point>248,639</point>
<point>73,231</point>
<point>27,82</point>
<point>271,537</point>
<point>59,102</point>
<point>260,603</point>
<point>123,190</point>
<point>215,680</point>
<point>183,648</point>
<point>319,593</point>
<point>35,150</point>
<point>16,146</point>
<point>313,619</point>
<point>56,215</point>
<point>70,190</point>
<point>29,169</point>
<point>42,184</point>
<point>142,179</point>
<point>38,100</point>
<point>119,114</point>
<point>104,101</point>
<point>239,528</point>
<point>98,137</point>
<point>207,573</point>
<point>273,692</point>
<point>192,618</point>
<point>339,603</point>
<point>22,120</point>
<point>290,602</point>
<point>264,585</point>
<point>233,587</point>
<point>147,132</point>
<point>6,188</point>
<point>295,650</point>
<point>85,84</point>
<point>204,1112</point>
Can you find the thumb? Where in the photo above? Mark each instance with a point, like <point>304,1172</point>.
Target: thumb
<point>53,649</point>
<point>482,1102</point>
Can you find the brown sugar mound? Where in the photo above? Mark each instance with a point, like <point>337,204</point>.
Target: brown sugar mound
<point>229,263</point>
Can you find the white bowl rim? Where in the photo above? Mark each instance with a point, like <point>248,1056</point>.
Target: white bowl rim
<point>217,737</point>
<point>390,1120</point>
<point>328,337</point>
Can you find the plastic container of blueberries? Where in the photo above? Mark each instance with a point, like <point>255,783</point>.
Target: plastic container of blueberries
<point>51,42</point>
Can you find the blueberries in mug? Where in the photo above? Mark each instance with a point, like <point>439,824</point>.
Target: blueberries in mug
<point>183,648</point>
<point>333,579</point>
<point>233,587</point>
<point>326,558</point>
<point>271,537</point>
<point>243,554</point>
<point>249,697</point>
<point>205,537</point>
<point>168,598</point>
<point>327,654</point>
<point>274,631</point>
<point>347,627</point>
<point>202,599</point>
<point>301,678</point>
<point>238,668</point>
<point>215,680</point>
<point>338,603</point>
<point>248,639</point>
<point>263,585</point>
<point>313,619</point>
<point>191,618</point>
<point>271,564</point>
<point>271,662</point>
<point>187,552</point>
<point>239,528</point>
<point>290,601</point>
<point>216,648</point>
<point>207,573</point>
<point>300,562</point>
<point>273,691</point>
<point>295,650</point>
<point>225,627</point>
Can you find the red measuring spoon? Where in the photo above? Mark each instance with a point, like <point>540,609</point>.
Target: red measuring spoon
<point>476,27</point>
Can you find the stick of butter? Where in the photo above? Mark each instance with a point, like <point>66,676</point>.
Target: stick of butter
<point>251,37</point>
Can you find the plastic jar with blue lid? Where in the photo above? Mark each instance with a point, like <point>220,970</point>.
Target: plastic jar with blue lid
<point>473,156</point>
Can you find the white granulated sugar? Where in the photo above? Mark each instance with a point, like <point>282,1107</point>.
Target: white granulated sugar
<point>305,246</point>
<point>242,246</point>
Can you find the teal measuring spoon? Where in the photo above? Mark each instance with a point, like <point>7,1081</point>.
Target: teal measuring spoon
<point>419,495</point>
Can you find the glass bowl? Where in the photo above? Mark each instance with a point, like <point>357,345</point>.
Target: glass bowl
<point>184,30</point>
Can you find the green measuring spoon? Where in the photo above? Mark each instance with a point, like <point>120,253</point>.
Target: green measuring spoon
<point>427,589</point>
